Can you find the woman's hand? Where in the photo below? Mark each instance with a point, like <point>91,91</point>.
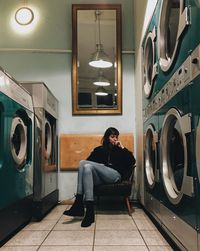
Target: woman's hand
<point>119,144</point>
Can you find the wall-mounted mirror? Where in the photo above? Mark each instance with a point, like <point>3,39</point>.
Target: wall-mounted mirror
<point>96,59</point>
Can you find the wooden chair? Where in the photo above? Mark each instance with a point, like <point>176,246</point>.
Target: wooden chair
<point>122,188</point>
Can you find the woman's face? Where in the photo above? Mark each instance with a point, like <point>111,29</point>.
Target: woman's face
<point>113,139</point>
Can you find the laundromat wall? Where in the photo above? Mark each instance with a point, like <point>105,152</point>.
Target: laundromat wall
<point>53,32</point>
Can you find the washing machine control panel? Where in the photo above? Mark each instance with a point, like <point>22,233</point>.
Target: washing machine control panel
<point>13,90</point>
<point>181,78</point>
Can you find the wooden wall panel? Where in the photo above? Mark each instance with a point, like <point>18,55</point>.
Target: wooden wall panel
<point>76,147</point>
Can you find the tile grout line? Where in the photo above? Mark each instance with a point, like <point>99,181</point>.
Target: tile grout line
<point>140,233</point>
<point>49,233</point>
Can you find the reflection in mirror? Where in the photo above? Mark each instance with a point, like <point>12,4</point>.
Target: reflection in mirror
<point>96,77</point>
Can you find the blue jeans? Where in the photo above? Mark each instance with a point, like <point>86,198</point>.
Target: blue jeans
<point>90,174</point>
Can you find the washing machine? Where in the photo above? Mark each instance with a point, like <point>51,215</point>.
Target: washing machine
<point>195,19</point>
<point>179,177</point>
<point>46,148</point>
<point>16,156</point>
<point>153,190</point>
<point>174,38</point>
<point>150,57</point>
<point>195,111</point>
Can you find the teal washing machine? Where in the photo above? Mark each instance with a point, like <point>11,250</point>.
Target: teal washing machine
<point>153,190</point>
<point>195,111</point>
<point>178,205</point>
<point>45,150</point>
<point>174,38</point>
<point>16,156</point>
<point>150,57</point>
<point>195,20</point>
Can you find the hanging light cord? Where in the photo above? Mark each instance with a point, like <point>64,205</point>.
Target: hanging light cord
<point>97,16</point>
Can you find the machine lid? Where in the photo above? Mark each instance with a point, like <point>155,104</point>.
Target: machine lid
<point>174,155</point>
<point>48,139</point>
<point>150,66</point>
<point>173,21</point>
<point>151,151</point>
<point>18,141</point>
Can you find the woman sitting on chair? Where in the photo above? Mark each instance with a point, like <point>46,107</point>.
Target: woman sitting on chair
<point>108,163</point>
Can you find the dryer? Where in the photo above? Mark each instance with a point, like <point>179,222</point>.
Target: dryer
<point>153,192</point>
<point>178,205</point>
<point>16,156</point>
<point>45,149</point>
<point>174,38</point>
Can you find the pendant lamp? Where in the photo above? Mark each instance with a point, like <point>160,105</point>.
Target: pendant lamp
<point>99,58</point>
<point>100,91</point>
<point>24,16</point>
<point>101,80</point>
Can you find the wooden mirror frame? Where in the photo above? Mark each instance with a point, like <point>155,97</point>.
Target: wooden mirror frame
<point>76,110</point>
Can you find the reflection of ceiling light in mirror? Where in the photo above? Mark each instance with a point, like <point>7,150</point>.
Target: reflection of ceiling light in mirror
<point>101,80</point>
<point>23,26</point>
<point>115,94</point>
<point>24,16</point>
<point>99,58</point>
<point>115,84</point>
<point>100,91</point>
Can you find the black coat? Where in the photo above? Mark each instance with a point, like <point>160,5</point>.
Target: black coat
<point>117,158</point>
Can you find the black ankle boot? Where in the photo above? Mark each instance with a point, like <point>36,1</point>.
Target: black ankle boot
<point>89,215</point>
<point>77,209</point>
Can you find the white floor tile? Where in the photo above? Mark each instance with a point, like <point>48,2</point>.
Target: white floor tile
<point>65,248</point>
<point>76,238</point>
<point>115,224</point>
<point>121,238</point>
<point>28,238</point>
<point>120,248</point>
<point>19,248</point>
<point>153,237</point>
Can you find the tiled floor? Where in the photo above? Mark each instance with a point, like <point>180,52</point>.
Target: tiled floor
<point>113,231</point>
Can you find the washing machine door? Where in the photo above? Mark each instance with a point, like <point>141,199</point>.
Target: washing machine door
<point>18,142</point>
<point>151,140</point>
<point>48,139</point>
<point>174,156</point>
<point>150,66</point>
<point>173,21</point>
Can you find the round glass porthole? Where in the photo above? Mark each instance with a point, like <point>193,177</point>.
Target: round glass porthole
<point>48,139</point>
<point>173,155</point>
<point>151,155</point>
<point>18,141</point>
<point>173,20</point>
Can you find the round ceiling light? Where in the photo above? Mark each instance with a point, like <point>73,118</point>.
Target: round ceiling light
<point>24,16</point>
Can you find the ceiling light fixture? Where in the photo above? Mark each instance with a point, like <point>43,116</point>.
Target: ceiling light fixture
<point>24,16</point>
<point>99,58</point>
<point>100,91</point>
<point>101,80</point>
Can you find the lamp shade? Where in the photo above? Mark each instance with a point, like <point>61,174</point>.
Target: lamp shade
<point>101,80</point>
<point>100,59</point>
<point>24,16</point>
<point>100,91</point>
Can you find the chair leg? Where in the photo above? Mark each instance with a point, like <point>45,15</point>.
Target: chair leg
<point>130,208</point>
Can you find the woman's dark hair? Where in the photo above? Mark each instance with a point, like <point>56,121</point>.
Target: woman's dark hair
<point>110,131</point>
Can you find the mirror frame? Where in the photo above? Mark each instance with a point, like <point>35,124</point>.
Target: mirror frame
<point>96,111</point>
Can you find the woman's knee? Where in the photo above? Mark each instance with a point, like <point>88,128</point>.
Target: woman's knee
<point>87,168</point>
<point>82,163</point>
